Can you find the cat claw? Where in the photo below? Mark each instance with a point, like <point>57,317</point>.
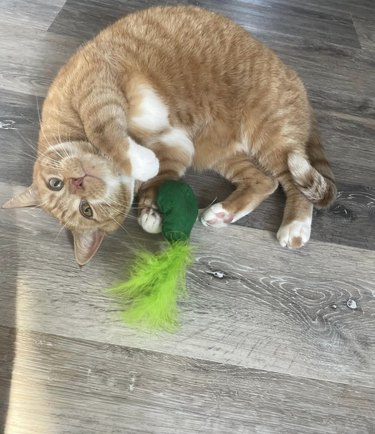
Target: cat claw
<point>150,220</point>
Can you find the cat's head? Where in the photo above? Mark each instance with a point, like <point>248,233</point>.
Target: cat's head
<point>85,190</point>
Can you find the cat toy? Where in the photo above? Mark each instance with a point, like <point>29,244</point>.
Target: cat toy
<point>157,281</point>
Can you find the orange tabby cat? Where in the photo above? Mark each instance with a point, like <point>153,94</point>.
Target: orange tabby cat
<point>162,90</point>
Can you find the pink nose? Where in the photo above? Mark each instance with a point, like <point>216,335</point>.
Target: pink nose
<point>78,182</point>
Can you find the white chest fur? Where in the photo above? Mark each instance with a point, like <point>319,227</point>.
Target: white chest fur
<point>152,116</point>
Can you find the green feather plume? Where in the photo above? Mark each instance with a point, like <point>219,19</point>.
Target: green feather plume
<point>156,283</point>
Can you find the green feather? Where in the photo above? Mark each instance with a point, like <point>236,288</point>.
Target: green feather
<point>156,282</point>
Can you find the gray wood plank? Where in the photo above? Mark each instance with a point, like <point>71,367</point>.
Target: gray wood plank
<point>360,8</point>
<point>38,14</point>
<point>32,58</point>
<point>19,124</point>
<point>100,388</point>
<point>278,19</point>
<point>273,310</point>
<point>365,28</point>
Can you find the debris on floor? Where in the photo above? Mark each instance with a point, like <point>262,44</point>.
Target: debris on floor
<point>352,304</point>
<point>218,274</point>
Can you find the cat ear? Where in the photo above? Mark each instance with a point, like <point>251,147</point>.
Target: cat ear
<point>29,197</point>
<point>144,163</point>
<point>86,245</point>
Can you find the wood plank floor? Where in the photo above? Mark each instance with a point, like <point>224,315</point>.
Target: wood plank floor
<point>272,347</point>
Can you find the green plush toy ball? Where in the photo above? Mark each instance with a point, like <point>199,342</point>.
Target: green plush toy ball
<point>157,281</point>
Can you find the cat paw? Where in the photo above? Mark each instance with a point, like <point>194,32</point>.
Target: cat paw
<point>150,220</point>
<point>144,163</point>
<point>295,234</point>
<point>216,216</point>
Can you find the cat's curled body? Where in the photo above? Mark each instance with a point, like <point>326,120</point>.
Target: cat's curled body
<point>162,90</point>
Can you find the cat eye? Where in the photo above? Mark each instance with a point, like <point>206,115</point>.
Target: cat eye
<point>55,184</point>
<point>85,209</point>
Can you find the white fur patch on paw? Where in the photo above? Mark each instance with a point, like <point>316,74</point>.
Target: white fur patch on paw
<point>295,234</point>
<point>144,163</point>
<point>216,216</point>
<point>150,220</point>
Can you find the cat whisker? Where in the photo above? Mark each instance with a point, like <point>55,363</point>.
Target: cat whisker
<point>106,212</point>
<point>131,236</point>
<point>61,229</point>
<point>40,121</point>
<point>113,201</point>
<point>28,142</point>
<point>24,155</point>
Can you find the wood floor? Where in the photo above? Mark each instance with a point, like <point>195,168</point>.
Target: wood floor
<point>273,346</point>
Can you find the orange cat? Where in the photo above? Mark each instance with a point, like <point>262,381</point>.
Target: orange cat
<point>162,90</point>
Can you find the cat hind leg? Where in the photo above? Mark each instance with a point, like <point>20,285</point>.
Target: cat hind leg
<point>295,228</point>
<point>252,188</point>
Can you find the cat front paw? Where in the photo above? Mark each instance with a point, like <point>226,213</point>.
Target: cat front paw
<point>216,216</point>
<point>145,164</point>
<point>150,220</point>
<point>295,234</point>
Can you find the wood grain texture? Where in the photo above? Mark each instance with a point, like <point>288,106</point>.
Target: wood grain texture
<point>38,14</point>
<point>33,58</point>
<point>273,310</point>
<point>365,28</point>
<point>362,8</point>
<point>100,388</point>
<point>19,125</point>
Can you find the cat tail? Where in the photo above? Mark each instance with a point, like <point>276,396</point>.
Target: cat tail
<point>312,175</point>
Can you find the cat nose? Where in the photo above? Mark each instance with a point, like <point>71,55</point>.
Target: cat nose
<point>78,182</point>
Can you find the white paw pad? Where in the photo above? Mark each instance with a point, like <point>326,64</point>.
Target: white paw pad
<point>295,234</point>
<point>216,216</point>
<point>150,220</point>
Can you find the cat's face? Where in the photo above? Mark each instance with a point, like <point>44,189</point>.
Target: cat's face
<point>83,189</point>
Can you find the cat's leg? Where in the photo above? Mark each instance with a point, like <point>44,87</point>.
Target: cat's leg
<point>172,165</point>
<point>295,228</point>
<point>252,188</point>
<point>103,113</point>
